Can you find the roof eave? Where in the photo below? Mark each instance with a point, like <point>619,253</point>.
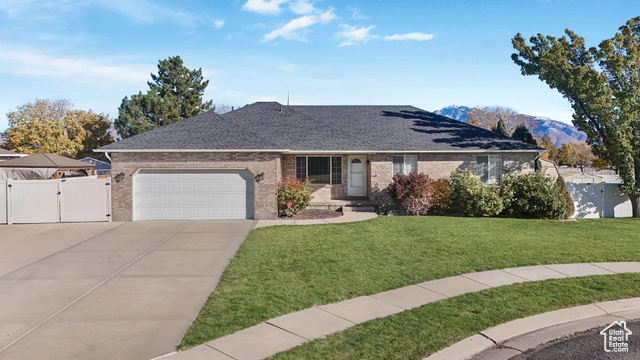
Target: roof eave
<point>288,151</point>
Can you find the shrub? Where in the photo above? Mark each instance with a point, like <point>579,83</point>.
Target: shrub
<point>471,197</point>
<point>294,195</point>
<point>570,208</point>
<point>411,192</point>
<point>440,196</point>
<point>532,195</point>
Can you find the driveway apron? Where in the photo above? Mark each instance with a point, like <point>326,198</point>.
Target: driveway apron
<point>130,292</point>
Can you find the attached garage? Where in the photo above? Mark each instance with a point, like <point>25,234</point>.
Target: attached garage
<point>193,194</point>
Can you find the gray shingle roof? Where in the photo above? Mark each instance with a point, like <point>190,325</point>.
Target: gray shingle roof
<point>263,126</point>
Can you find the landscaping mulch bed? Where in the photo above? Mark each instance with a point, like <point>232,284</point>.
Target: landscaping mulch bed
<point>312,214</point>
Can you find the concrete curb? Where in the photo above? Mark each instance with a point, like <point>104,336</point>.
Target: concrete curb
<point>290,330</point>
<point>349,216</point>
<point>512,338</point>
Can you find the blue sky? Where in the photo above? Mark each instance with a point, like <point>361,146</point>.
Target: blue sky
<point>429,54</point>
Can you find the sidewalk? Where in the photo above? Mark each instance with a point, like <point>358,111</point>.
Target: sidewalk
<point>291,330</point>
<point>349,216</point>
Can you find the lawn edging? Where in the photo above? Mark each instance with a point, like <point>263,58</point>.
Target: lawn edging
<point>565,322</point>
<point>287,331</point>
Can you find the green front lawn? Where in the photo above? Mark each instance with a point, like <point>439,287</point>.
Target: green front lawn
<point>420,332</point>
<point>282,269</point>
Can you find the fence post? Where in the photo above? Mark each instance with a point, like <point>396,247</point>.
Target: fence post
<point>108,186</point>
<point>9,203</point>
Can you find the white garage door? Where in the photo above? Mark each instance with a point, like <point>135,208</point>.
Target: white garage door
<point>192,194</point>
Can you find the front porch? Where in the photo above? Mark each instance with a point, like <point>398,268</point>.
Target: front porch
<point>337,180</point>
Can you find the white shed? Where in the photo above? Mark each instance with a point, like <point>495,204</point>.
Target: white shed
<point>597,196</point>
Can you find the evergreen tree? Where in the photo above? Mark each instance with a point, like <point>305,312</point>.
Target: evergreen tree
<point>175,93</point>
<point>523,134</point>
<point>501,128</point>
<point>602,85</point>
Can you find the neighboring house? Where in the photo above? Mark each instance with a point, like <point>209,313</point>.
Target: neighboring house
<point>100,167</point>
<point>8,155</point>
<point>229,166</point>
<point>43,166</point>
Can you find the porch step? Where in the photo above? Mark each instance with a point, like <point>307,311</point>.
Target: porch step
<point>359,208</point>
<point>344,205</point>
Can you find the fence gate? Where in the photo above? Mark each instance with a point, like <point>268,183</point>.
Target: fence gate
<point>59,200</point>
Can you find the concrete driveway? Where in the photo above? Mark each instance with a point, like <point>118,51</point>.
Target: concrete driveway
<point>124,291</point>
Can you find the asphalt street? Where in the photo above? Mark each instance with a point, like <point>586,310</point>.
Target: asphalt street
<point>588,345</point>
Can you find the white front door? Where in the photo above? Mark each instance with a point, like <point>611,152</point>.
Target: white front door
<point>357,180</point>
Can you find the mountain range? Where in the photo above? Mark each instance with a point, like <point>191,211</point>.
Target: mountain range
<point>559,132</point>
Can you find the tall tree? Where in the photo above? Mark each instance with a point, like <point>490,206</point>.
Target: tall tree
<point>54,127</point>
<point>576,154</point>
<point>552,154</point>
<point>89,130</point>
<point>522,133</point>
<point>602,85</point>
<point>175,93</point>
<point>501,128</point>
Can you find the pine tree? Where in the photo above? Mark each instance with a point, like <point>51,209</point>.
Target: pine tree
<point>501,128</point>
<point>523,134</point>
<point>175,93</point>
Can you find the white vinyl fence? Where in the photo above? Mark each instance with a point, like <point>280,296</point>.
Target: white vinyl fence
<point>60,200</point>
<point>599,200</point>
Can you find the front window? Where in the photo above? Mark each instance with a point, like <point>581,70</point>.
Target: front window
<point>490,169</point>
<point>321,170</point>
<point>404,164</point>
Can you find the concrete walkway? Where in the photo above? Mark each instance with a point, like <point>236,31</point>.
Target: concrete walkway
<point>349,216</point>
<point>129,292</point>
<point>291,330</point>
<point>515,337</point>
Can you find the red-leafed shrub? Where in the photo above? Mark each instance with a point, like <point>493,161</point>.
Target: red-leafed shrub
<point>411,192</point>
<point>294,195</point>
<point>440,196</point>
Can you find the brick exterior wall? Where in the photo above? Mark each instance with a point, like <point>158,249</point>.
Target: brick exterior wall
<point>276,166</point>
<point>265,191</point>
<point>439,166</point>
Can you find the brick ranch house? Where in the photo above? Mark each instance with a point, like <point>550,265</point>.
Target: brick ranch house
<point>228,166</point>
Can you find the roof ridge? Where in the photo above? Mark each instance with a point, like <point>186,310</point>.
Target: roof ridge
<point>46,155</point>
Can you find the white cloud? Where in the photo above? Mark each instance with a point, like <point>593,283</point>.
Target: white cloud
<point>302,7</point>
<point>327,16</point>
<point>264,7</point>
<point>34,63</point>
<point>417,36</point>
<point>291,31</point>
<point>143,11</point>
<point>218,24</point>
<point>296,29</point>
<point>355,13</point>
<point>149,12</point>
<point>355,35</point>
